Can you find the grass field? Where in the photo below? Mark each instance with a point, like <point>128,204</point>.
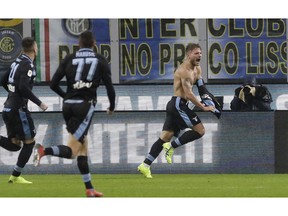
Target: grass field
<point>132,194</point>
<point>161,186</point>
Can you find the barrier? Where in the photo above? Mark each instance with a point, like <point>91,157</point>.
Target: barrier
<point>237,143</point>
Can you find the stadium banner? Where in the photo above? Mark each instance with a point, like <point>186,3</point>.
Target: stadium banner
<point>59,37</point>
<point>151,49</point>
<point>11,33</point>
<point>238,48</point>
<point>119,143</point>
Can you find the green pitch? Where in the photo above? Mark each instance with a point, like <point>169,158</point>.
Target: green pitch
<point>162,185</point>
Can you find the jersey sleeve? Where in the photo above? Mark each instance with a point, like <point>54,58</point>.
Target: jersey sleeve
<point>107,80</point>
<point>4,80</point>
<point>24,85</point>
<point>57,77</point>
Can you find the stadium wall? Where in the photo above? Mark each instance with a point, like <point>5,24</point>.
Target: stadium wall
<point>237,143</point>
<point>240,142</point>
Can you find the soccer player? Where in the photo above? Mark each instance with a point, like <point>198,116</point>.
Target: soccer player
<point>83,70</point>
<point>179,110</point>
<point>18,82</point>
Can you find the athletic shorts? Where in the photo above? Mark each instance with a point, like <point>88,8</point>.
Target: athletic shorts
<point>19,123</point>
<point>179,115</point>
<point>78,115</point>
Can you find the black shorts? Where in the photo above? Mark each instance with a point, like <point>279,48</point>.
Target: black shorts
<point>19,123</point>
<point>78,115</point>
<point>179,115</point>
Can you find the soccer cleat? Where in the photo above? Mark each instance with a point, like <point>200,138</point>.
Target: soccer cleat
<point>18,180</point>
<point>38,154</point>
<point>169,150</point>
<point>145,170</point>
<point>93,193</point>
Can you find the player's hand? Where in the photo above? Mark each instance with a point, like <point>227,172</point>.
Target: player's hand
<point>109,112</point>
<point>43,106</point>
<point>209,108</point>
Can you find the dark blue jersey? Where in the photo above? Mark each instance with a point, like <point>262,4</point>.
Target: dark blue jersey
<point>18,82</point>
<point>84,71</point>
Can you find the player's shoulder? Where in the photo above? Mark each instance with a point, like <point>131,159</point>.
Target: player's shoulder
<point>26,64</point>
<point>68,58</point>
<point>181,68</point>
<point>100,57</point>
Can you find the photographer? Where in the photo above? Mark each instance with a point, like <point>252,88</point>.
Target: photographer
<point>251,96</point>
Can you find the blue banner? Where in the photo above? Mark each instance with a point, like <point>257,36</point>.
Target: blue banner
<point>59,37</point>
<point>238,48</point>
<point>151,49</point>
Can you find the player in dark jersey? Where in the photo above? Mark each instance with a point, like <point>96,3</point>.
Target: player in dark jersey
<point>83,70</point>
<point>18,82</point>
<point>179,111</point>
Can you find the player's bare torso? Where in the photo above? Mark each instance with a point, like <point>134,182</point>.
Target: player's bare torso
<point>185,75</point>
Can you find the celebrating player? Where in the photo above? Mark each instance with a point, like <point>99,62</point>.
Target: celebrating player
<point>83,70</point>
<point>18,82</point>
<point>179,110</point>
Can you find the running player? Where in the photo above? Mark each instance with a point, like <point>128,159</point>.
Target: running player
<point>18,82</point>
<point>83,70</point>
<point>179,111</point>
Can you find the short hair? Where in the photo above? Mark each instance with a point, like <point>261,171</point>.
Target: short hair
<point>28,44</point>
<point>192,46</point>
<point>86,39</point>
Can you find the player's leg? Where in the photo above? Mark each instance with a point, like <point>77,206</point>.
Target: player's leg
<point>24,129</point>
<point>166,135</point>
<point>10,118</point>
<point>73,123</point>
<point>22,160</point>
<point>82,163</point>
<point>184,118</point>
<point>85,115</point>
<point>195,133</point>
<point>155,150</point>
<point>69,152</point>
<point>8,145</point>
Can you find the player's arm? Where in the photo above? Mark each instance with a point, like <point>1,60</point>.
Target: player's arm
<point>26,92</point>
<point>207,98</point>
<point>4,80</point>
<point>186,81</point>
<point>57,77</point>
<point>187,87</point>
<point>107,80</point>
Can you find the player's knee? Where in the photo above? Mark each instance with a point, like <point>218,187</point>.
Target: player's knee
<point>14,144</point>
<point>14,147</point>
<point>74,153</point>
<point>201,132</point>
<point>73,156</point>
<point>166,135</point>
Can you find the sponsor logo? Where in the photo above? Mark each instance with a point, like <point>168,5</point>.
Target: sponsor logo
<point>29,73</point>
